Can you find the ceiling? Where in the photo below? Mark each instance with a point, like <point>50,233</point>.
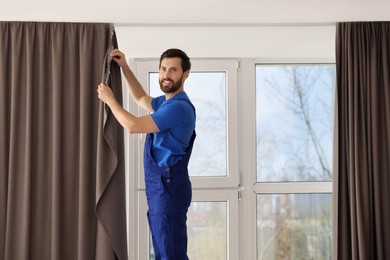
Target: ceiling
<point>196,12</point>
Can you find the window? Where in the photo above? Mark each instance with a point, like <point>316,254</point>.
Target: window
<point>294,122</point>
<point>294,142</point>
<point>294,226</point>
<point>207,91</point>
<point>261,163</point>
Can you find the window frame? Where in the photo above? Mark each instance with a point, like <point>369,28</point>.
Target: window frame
<point>248,160</point>
<point>242,188</point>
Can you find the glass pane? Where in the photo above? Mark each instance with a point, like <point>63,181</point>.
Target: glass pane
<point>207,91</point>
<point>207,231</point>
<point>294,122</point>
<point>294,226</point>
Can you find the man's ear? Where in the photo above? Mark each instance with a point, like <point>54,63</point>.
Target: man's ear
<point>186,74</point>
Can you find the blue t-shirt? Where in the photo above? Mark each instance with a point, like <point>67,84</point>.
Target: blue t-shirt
<point>175,118</point>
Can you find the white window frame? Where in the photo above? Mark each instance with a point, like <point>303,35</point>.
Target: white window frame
<point>240,188</point>
<point>251,188</point>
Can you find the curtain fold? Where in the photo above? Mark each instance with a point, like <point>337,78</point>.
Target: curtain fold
<point>62,193</point>
<point>362,142</point>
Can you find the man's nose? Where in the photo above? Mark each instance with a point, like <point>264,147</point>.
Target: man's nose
<point>167,74</point>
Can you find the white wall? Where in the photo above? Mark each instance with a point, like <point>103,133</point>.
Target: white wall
<point>274,43</point>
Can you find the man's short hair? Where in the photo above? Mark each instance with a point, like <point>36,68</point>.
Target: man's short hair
<point>177,53</point>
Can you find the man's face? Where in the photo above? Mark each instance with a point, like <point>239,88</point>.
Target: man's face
<point>171,75</point>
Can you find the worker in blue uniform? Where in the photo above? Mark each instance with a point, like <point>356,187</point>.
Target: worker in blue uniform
<point>170,129</point>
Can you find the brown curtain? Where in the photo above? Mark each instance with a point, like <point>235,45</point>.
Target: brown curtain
<point>362,142</point>
<point>62,193</point>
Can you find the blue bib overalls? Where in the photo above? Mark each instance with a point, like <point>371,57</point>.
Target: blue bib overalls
<point>169,193</point>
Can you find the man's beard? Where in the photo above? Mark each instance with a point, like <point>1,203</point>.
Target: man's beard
<point>175,85</point>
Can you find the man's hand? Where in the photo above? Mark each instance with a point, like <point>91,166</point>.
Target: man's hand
<point>105,94</point>
<point>119,58</point>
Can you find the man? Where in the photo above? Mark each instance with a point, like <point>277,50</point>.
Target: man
<point>170,132</point>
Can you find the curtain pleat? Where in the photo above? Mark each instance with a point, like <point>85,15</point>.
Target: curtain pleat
<point>57,178</point>
<point>362,143</point>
